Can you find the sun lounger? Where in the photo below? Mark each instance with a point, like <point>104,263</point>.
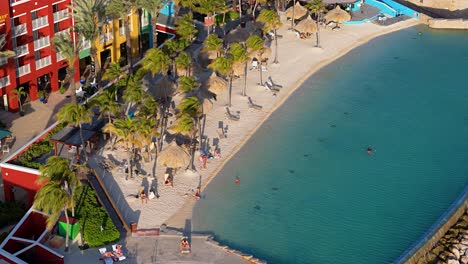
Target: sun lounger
<point>273,84</point>
<point>102,251</point>
<point>253,105</point>
<point>221,133</point>
<point>230,116</point>
<point>120,256</point>
<point>184,246</point>
<point>264,68</point>
<point>269,87</point>
<point>254,65</point>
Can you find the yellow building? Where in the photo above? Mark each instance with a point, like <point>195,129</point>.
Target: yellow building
<point>111,44</point>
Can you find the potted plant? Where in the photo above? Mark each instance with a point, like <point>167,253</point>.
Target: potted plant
<point>43,96</point>
<point>18,93</point>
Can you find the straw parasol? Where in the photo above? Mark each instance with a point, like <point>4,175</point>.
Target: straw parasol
<point>307,26</point>
<point>239,34</point>
<point>216,84</point>
<point>264,53</point>
<point>174,156</point>
<point>337,15</point>
<point>239,68</point>
<point>299,11</point>
<point>205,100</point>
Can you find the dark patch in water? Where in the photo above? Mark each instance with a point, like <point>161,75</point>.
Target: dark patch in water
<point>333,125</point>
<point>306,155</point>
<point>257,207</point>
<point>396,58</point>
<point>275,188</point>
<point>291,171</point>
<point>346,113</point>
<point>321,139</point>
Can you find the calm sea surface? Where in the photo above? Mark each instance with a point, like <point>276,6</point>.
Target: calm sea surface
<point>309,192</point>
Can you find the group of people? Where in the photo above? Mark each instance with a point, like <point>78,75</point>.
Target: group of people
<point>115,256</point>
<point>204,156</point>
<point>144,198</point>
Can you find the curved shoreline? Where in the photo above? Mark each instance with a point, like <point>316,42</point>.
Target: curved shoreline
<point>185,212</point>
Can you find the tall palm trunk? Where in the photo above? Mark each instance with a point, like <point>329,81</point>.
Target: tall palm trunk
<point>67,230</point>
<point>317,34</point>
<point>292,18</point>
<point>244,91</point>
<point>276,48</point>
<point>260,72</point>
<point>129,164</point>
<point>128,44</point>
<point>254,8</point>
<point>240,9</point>
<point>230,90</point>
<point>71,80</point>
<point>97,66</point>
<point>155,32</point>
<point>84,146</point>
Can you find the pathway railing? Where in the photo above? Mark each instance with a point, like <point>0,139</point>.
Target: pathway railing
<point>436,231</point>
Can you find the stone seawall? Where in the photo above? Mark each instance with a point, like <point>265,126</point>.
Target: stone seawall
<point>448,23</point>
<point>420,251</point>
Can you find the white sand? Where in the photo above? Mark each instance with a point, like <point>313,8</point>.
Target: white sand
<point>298,60</point>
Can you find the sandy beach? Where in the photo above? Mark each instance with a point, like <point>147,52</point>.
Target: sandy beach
<point>299,59</point>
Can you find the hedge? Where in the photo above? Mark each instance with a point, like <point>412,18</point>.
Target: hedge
<point>92,217</point>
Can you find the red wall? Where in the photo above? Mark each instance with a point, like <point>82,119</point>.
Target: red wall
<point>27,181</point>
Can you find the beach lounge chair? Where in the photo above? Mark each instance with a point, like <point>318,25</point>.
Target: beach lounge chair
<point>273,84</point>
<point>184,246</point>
<point>168,180</point>
<point>254,65</point>
<point>230,116</point>
<point>221,133</point>
<point>102,251</point>
<point>118,253</point>
<point>269,87</point>
<point>264,68</point>
<point>253,105</point>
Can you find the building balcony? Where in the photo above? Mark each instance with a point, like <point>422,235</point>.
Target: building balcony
<point>41,43</point>
<point>19,30</point>
<point>21,50</point>
<point>43,62</point>
<point>4,81</point>
<point>104,38</point>
<point>59,56</point>
<point>63,32</point>
<point>40,22</point>
<point>23,70</point>
<point>61,15</point>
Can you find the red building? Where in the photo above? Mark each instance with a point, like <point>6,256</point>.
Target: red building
<point>29,26</point>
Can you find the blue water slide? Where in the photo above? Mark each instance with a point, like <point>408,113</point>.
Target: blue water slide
<point>392,8</point>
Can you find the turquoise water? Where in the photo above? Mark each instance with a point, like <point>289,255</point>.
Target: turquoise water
<point>309,192</point>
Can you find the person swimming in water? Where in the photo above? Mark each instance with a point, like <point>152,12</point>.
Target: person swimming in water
<point>369,150</point>
<point>237,180</point>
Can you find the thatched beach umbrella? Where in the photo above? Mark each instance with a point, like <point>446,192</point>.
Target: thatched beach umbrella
<point>238,68</point>
<point>308,26</point>
<point>299,11</point>
<point>263,54</point>
<point>239,34</point>
<point>205,100</point>
<point>216,84</point>
<point>337,15</point>
<point>174,156</point>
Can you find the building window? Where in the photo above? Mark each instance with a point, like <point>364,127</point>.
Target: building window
<point>56,27</point>
<point>34,15</point>
<point>37,55</point>
<point>55,8</point>
<point>36,34</point>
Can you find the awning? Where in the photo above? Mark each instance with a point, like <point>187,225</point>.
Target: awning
<point>4,133</point>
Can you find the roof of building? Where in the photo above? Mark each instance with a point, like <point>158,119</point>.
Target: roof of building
<point>71,135</point>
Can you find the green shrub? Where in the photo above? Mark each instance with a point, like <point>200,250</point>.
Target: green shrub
<point>10,213</point>
<point>230,16</point>
<point>92,217</point>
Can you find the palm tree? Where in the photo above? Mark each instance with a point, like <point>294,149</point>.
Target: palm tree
<point>113,72</point>
<point>240,56</point>
<point>125,132</point>
<point>183,61</point>
<point>18,93</point>
<point>224,66</point>
<point>76,115</point>
<point>146,131</point>
<point>70,50</point>
<point>187,84</point>
<point>254,7</point>
<point>271,20</point>
<point>6,54</point>
<point>149,108</point>
<point>153,7</point>
<point>133,94</point>
<point>190,116</point>
<point>89,16</point>
<point>106,103</point>
<point>52,199</point>
<point>318,8</point>
<point>185,28</point>
<point>213,44</point>
<point>57,169</point>
<point>254,45</point>
<point>156,61</point>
